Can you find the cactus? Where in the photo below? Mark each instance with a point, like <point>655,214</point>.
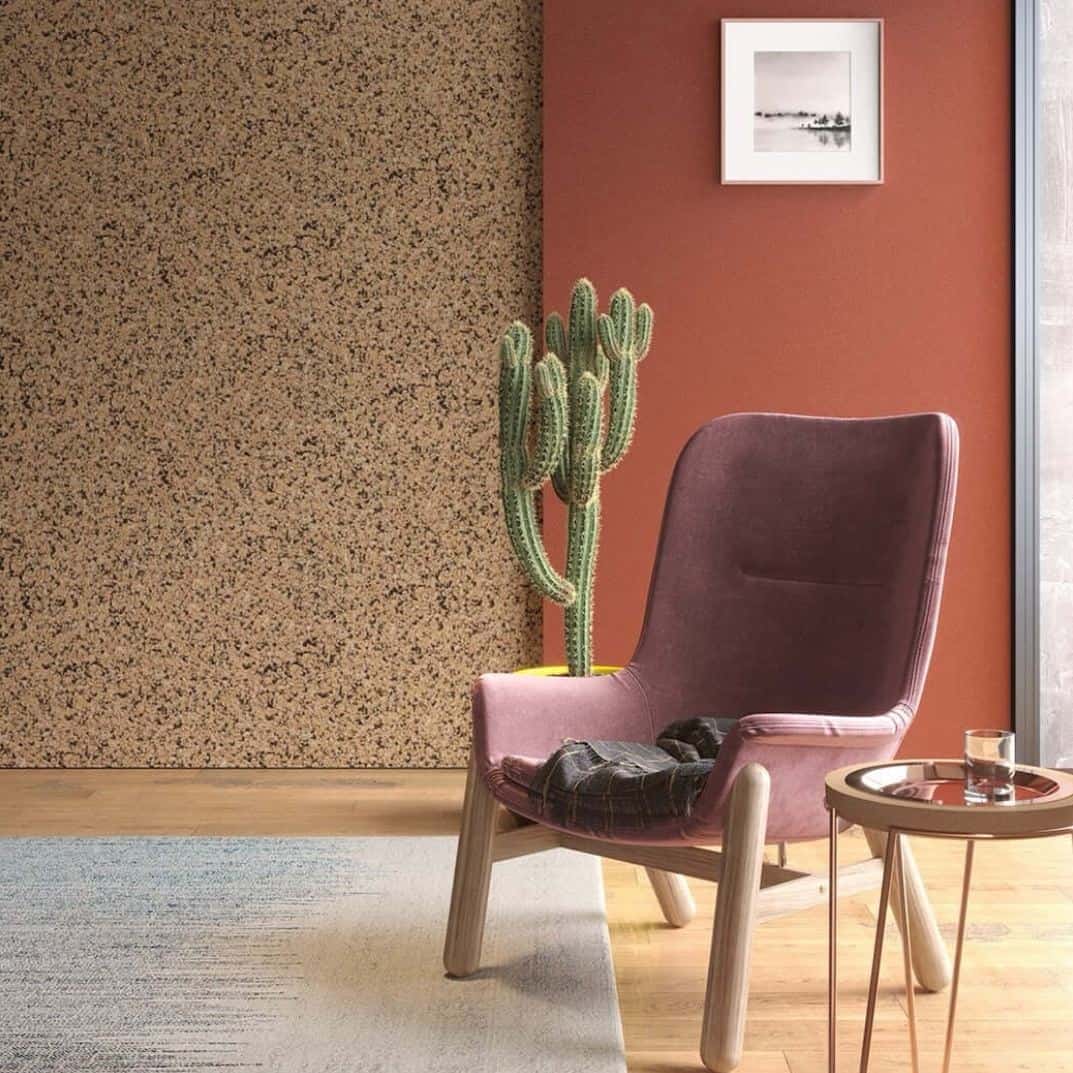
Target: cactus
<point>592,357</point>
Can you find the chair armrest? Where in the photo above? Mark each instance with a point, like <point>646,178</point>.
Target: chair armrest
<point>529,715</point>
<point>829,731</point>
<point>798,751</point>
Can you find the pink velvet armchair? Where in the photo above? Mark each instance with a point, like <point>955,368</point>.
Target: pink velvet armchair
<point>796,589</point>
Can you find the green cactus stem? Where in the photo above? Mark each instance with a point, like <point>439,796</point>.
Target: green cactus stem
<point>521,472</point>
<point>567,436</point>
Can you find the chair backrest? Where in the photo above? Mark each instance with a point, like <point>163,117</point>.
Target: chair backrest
<point>800,566</point>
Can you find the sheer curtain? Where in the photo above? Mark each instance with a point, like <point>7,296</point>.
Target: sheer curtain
<point>1056,382</point>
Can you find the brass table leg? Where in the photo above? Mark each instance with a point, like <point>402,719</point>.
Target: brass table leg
<point>970,848</point>
<point>832,944</point>
<point>893,839</point>
<point>907,957</point>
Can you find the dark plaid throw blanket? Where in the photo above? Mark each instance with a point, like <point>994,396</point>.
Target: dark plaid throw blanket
<point>612,786</point>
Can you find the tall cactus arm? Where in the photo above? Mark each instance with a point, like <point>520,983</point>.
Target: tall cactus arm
<point>642,331</point>
<point>551,422</point>
<point>576,345</point>
<point>622,411</point>
<point>555,341</point>
<point>610,340</point>
<point>515,358</point>
<point>585,421</point>
<point>616,334</point>
<point>519,509</point>
<point>555,337</point>
<point>519,506</point>
<point>625,335</point>
<point>621,316</point>
<point>581,339</point>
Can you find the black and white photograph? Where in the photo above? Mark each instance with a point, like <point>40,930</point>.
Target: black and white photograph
<point>802,102</point>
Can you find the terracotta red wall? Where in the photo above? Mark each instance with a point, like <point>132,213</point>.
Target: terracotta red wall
<point>822,300</point>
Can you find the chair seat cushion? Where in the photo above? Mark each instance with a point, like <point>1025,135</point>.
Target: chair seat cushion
<point>605,788</point>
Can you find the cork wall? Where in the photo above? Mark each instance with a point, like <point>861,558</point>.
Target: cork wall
<point>253,259</point>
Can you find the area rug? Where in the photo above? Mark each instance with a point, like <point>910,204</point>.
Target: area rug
<point>312,955</point>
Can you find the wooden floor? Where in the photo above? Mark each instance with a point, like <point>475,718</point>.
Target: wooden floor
<point>1016,1010</point>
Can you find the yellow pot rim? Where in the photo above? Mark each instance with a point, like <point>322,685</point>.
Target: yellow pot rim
<point>562,671</point>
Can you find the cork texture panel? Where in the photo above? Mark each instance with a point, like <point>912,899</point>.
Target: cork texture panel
<point>253,260</point>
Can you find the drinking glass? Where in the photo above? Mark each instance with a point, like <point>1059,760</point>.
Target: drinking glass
<point>989,766</point>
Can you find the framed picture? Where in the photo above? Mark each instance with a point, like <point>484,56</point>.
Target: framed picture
<point>802,101</point>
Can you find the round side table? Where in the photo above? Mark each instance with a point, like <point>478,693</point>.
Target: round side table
<point>927,797</point>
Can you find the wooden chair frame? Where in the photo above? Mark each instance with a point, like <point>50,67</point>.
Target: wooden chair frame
<point>751,890</point>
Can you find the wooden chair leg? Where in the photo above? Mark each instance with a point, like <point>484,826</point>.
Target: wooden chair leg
<point>723,1032</point>
<point>931,962</point>
<point>675,899</point>
<point>473,873</point>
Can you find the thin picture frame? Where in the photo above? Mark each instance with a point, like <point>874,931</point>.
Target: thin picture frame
<point>732,172</point>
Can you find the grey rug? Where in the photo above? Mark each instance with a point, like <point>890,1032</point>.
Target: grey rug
<point>299,955</point>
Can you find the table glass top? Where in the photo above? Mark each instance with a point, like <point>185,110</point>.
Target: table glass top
<point>942,782</point>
